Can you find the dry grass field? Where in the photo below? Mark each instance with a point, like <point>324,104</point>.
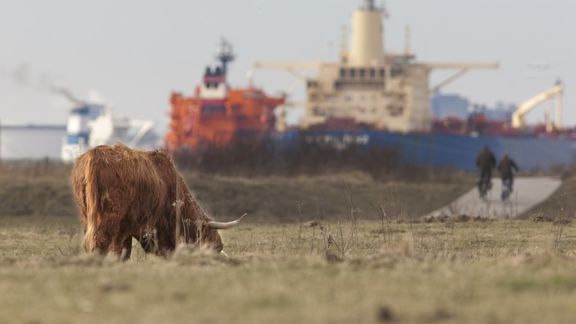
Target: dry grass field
<point>340,249</point>
<point>347,272</point>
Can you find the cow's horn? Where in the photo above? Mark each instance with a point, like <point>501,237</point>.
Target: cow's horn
<point>225,225</point>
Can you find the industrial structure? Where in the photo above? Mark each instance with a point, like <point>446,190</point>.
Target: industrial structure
<point>371,98</point>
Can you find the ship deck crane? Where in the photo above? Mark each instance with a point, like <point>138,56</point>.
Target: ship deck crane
<point>462,68</point>
<point>290,67</point>
<point>68,95</point>
<point>518,118</point>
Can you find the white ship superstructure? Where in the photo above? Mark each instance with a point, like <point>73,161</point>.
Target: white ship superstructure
<point>91,124</point>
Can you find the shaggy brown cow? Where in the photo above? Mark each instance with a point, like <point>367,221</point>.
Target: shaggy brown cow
<point>124,193</point>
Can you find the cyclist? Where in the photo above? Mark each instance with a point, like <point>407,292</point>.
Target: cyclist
<point>485,162</point>
<point>507,166</point>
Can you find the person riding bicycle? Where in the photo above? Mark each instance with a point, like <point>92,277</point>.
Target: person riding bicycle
<point>507,166</point>
<point>485,162</point>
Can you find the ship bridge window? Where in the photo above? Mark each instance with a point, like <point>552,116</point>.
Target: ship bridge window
<point>77,138</point>
<point>312,84</point>
<point>213,110</point>
<point>90,111</point>
<point>318,111</point>
<point>237,108</point>
<point>81,111</point>
<point>396,71</point>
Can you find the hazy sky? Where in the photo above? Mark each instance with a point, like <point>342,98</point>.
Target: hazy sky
<point>134,53</point>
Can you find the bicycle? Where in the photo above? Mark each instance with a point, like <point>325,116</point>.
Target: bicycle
<point>484,185</point>
<point>506,189</point>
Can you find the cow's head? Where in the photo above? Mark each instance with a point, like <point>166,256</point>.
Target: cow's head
<point>208,232</point>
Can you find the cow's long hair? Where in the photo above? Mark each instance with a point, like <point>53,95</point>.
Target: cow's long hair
<point>124,193</point>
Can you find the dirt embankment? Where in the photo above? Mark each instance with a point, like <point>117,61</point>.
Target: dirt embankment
<point>43,189</point>
<point>561,206</point>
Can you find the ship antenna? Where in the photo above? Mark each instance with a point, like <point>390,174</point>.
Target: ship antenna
<point>369,5</point>
<point>225,54</point>
<point>408,40</point>
<point>345,47</point>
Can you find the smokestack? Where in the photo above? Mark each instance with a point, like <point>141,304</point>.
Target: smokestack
<point>367,36</point>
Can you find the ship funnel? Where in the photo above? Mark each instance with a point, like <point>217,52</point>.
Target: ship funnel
<point>367,36</point>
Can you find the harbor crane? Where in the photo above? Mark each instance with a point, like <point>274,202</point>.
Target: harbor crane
<point>556,92</point>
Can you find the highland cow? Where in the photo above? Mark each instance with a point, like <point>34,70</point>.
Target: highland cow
<point>124,193</point>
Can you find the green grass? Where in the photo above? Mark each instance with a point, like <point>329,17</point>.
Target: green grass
<point>365,272</point>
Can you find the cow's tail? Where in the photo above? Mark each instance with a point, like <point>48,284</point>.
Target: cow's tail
<point>92,203</point>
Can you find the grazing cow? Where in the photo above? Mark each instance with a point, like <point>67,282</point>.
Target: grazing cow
<point>124,194</point>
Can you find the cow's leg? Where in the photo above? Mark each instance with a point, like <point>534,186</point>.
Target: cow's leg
<point>156,244</point>
<point>127,249</point>
<point>122,247</point>
<point>149,241</point>
<point>96,239</point>
<point>100,242</point>
<point>166,245</point>
<point>104,238</point>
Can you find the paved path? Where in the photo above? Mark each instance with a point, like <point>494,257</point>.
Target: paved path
<point>528,192</point>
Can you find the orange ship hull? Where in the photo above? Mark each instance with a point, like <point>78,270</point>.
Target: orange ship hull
<point>196,123</point>
<point>217,115</point>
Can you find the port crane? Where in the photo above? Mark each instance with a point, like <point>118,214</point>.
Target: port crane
<point>556,92</point>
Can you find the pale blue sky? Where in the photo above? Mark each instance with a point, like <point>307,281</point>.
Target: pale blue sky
<point>134,53</point>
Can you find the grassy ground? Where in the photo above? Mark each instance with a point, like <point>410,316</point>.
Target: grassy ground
<point>280,199</point>
<point>322,249</point>
<point>347,272</point>
<point>43,189</point>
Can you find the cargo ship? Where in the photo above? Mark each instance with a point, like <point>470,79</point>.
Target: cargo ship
<point>375,98</point>
<point>217,114</point>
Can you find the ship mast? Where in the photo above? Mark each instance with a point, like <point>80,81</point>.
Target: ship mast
<point>369,5</point>
<point>225,54</point>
